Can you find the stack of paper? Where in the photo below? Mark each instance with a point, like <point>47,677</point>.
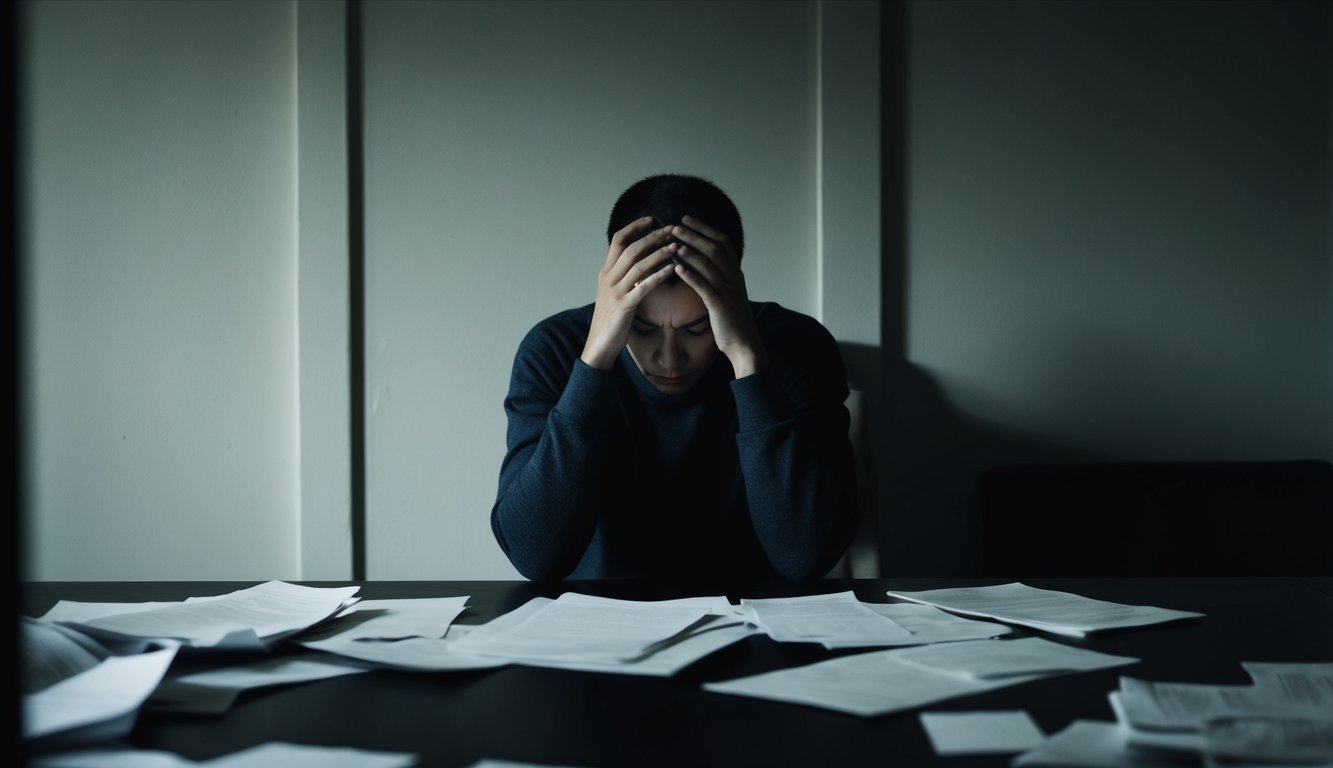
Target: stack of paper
<point>99,703</point>
<point>1060,613</point>
<point>1286,715</point>
<point>253,619</point>
<point>417,635</point>
<point>838,619</point>
<point>605,635</point>
<point>888,681</point>
<point>575,632</point>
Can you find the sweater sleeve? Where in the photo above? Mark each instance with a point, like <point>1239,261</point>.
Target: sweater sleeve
<point>551,489</point>
<point>795,454</point>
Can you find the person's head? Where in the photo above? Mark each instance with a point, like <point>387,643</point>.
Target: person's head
<point>671,339</point>
<point>669,197</point>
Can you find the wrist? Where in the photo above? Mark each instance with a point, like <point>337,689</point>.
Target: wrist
<point>747,361</point>
<point>601,359</point>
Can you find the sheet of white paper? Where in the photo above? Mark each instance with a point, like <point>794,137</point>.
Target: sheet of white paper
<point>1003,658</point>
<point>929,624</point>
<point>1060,613</point>
<point>109,758</point>
<point>1312,683</point>
<point>837,617</point>
<point>586,628</point>
<point>248,619</point>
<point>396,619</point>
<point>49,653</point>
<point>1270,739</point>
<point>419,654</point>
<point>669,660</point>
<point>1186,706</point>
<point>98,703</point>
<point>75,612</point>
<point>865,684</point>
<point>282,755</point>
<point>273,755</point>
<point>213,691</point>
<point>1186,740</point>
<point>423,654</point>
<point>979,733</point>
<point>1097,744</point>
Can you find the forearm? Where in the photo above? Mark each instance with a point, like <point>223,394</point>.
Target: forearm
<point>799,477</point>
<point>551,484</point>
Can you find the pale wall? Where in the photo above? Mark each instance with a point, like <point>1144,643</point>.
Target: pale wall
<point>158,175</point>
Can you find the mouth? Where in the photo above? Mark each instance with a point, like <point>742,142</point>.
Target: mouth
<point>668,381</point>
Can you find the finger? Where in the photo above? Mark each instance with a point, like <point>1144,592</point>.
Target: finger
<point>700,264</point>
<point>644,247</point>
<point>650,264</point>
<point>646,284</point>
<point>625,236</point>
<point>701,286</point>
<point>716,235</point>
<point>711,249</point>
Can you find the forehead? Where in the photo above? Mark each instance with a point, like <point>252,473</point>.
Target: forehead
<point>671,306</point>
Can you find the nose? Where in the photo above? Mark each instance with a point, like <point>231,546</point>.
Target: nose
<point>671,356</point>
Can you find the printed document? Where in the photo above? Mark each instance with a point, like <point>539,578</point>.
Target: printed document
<point>929,624</point>
<point>836,618</point>
<point>879,682</point>
<point>100,703</point>
<point>246,620</point>
<point>578,627</point>
<point>1060,613</point>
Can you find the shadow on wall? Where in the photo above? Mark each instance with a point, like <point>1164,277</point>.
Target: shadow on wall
<point>930,459</point>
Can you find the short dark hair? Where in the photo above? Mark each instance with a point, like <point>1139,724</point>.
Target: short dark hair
<point>668,197</point>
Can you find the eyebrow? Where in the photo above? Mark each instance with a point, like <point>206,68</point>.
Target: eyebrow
<point>697,321</point>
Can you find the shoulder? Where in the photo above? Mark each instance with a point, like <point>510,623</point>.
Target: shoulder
<point>787,328</point>
<point>560,335</point>
<point>800,346</point>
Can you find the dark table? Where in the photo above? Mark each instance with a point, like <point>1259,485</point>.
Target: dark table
<point>586,719</point>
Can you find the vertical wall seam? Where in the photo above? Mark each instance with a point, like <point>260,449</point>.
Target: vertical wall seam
<point>296,285</point>
<point>819,160</point>
<point>356,288</point>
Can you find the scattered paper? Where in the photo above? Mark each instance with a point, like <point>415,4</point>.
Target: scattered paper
<point>1098,744</point>
<point>879,682</point>
<point>396,619</point>
<point>274,755</point>
<point>1060,613</point>
<point>1004,658</point>
<point>835,618</point>
<point>1270,739</point>
<point>929,624</point>
<point>246,620</point>
<point>213,691</point>
<point>581,628</point>
<point>100,703</point>
<point>975,733</point>
<point>865,684</point>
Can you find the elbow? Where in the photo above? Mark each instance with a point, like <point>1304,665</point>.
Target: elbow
<point>538,568</point>
<point>533,557</point>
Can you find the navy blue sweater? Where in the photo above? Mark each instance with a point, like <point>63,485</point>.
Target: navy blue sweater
<point>605,477</point>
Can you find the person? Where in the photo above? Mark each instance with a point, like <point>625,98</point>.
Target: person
<point>674,428</point>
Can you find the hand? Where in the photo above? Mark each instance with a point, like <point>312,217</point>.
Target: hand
<point>708,263</point>
<point>632,271</point>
